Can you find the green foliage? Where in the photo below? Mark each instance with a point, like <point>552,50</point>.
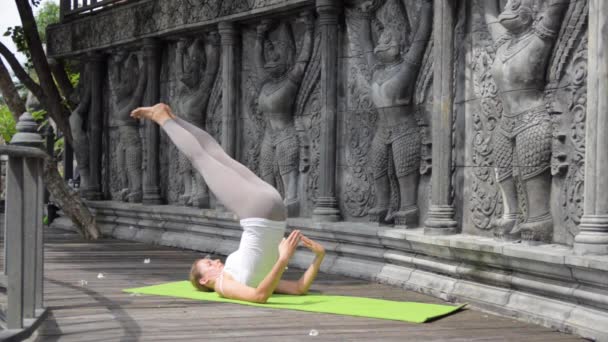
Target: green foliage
<point>7,124</point>
<point>48,14</point>
<point>45,220</point>
<point>59,146</point>
<point>39,115</point>
<point>18,36</point>
<point>74,76</point>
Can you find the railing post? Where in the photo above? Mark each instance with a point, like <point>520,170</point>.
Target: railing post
<point>64,7</point>
<point>39,247</point>
<point>13,242</point>
<point>23,235</point>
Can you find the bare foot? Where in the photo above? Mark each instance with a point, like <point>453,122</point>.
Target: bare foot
<point>158,113</point>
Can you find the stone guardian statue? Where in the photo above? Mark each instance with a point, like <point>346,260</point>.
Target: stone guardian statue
<point>397,136</point>
<point>79,120</point>
<point>197,66</point>
<point>281,77</point>
<point>129,82</point>
<point>523,41</point>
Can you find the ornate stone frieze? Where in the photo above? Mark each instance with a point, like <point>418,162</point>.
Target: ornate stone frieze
<point>393,63</point>
<point>518,116</point>
<point>128,81</point>
<point>149,18</point>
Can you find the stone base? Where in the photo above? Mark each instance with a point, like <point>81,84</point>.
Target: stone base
<point>547,285</point>
<point>29,330</point>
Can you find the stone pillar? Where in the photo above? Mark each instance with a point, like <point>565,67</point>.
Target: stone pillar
<point>230,84</point>
<point>93,192</point>
<point>326,206</point>
<point>151,188</point>
<point>593,235</point>
<point>440,219</point>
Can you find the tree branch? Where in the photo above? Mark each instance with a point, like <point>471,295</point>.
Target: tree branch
<point>55,106</point>
<point>63,81</point>
<point>9,91</point>
<point>21,74</point>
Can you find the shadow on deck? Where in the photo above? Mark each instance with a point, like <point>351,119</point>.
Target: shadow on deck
<point>88,307</point>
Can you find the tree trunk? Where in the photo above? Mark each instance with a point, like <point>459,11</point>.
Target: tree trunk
<point>62,79</point>
<point>55,107</point>
<point>69,201</point>
<point>48,95</point>
<point>11,96</point>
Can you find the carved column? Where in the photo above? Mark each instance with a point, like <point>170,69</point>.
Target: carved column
<point>230,85</point>
<point>93,192</point>
<point>593,235</point>
<point>326,206</point>
<point>440,219</point>
<point>151,188</point>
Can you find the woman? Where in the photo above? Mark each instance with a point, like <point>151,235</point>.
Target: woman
<point>254,271</point>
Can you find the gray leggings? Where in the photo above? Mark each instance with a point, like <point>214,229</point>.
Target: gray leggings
<point>233,184</point>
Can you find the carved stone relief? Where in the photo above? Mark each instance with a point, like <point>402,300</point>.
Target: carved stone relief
<point>566,96</point>
<point>393,64</point>
<point>144,18</point>
<point>517,130</point>
<point>79,126</point>
<point>278,73</point>
<point>127,80</point>
<point>197,63</point>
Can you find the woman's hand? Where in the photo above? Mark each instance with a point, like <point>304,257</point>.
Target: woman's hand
<point>314,246</point>
<point>288,246</point>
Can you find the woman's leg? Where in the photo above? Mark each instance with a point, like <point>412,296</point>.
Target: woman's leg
<point>239,194</point>
<point>216,151</point>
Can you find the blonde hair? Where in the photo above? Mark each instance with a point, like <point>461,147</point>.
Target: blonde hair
<point>195,277</point>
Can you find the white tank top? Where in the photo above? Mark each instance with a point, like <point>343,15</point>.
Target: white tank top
<point>258,250</point>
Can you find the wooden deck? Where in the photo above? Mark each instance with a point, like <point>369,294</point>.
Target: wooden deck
<point>98,311</point>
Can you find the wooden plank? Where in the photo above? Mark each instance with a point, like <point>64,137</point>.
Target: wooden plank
<point>99,311</point>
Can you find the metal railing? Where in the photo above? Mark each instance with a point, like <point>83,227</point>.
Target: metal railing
<point>73,8</point>
<point>23,241</point>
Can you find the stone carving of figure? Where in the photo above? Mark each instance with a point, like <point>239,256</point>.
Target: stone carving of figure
<point>197,66</point>
<point>281,78</point>
<point>522,141</point>
<point>79,127</point>
<point>129,82</point>
<point>397,135</point>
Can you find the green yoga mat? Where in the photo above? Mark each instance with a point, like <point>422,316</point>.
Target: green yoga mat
<point>341,305</point>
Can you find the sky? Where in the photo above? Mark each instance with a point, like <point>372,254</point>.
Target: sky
<point>10,17</point>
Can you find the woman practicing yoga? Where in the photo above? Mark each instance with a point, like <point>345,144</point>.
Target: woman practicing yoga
<point>254,271</point>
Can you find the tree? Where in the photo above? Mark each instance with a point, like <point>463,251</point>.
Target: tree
<point>52,90</point>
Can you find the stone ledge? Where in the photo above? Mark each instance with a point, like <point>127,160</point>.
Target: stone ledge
<point>151,18</point>
<point>545,284</point>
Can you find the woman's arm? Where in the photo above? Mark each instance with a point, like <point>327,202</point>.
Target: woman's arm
<point>301,286</point>
<point>234,290</point>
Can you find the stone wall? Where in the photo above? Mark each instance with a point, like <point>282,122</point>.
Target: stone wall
<point>481,129</point>
<point>513,170</point>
